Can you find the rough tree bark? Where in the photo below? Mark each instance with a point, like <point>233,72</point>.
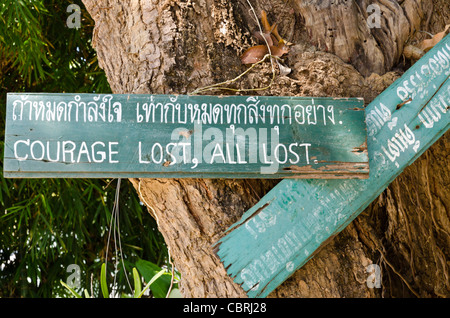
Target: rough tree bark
<point>165,46</point>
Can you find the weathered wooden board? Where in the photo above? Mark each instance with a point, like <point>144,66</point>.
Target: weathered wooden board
<point>282,232</point>
<point>92,136</point>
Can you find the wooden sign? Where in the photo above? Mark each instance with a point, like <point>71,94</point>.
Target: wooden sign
<point>282,232</point>
<point>93,136</point>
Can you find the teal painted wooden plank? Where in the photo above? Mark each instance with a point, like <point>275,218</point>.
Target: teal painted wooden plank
<point>93,136</point>
<point>282,232</point>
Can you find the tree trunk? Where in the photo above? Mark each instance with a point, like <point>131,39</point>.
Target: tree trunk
<point>165,47</point>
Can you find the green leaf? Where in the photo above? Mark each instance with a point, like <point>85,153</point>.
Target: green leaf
<point>103,284</point>
<point>148,270</point>
<point>71,290</point>
<point>175,293</point>
<point>154,278</point>
<point>137,283</point>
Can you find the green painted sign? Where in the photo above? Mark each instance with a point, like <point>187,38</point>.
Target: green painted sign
<point>92,136</point>
<point>282,232</point>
